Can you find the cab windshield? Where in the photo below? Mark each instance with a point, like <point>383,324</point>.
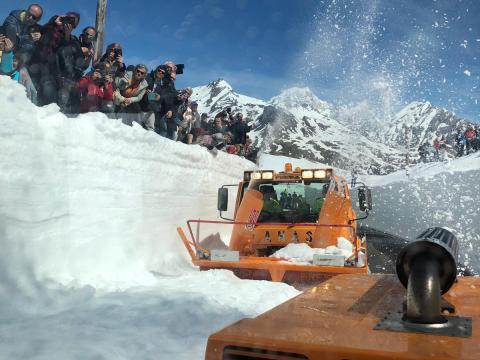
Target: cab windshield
<point>291,202</point>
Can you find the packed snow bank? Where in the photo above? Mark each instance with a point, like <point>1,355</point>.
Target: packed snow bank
<point>88,211</point>
<point>443,194</point>
<point>93,201</point>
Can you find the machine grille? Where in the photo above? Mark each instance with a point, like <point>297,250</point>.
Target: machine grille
<point>248,353</point>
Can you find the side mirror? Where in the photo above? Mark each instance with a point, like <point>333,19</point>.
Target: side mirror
<point>222,202</point>
<point>364,199</point>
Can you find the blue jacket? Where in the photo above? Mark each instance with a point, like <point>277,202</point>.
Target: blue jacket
<point>6,63</point>
<point>16,29</point>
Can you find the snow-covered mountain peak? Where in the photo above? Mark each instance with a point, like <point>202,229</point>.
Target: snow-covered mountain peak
<point>298,97</point>
<point>219,94</point>
<point>416,109</point>
<point>220,84</point>
<point>298,124</point>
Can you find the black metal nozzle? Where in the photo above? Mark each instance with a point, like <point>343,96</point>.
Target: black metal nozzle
<point>427,267</point>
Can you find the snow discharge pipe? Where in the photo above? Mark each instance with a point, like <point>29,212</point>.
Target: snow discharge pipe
<point>427,267</point>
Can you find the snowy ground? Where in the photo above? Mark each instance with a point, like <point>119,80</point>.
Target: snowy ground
<point>90,263</point>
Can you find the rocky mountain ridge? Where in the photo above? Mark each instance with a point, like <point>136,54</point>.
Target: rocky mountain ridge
<point>298,124</point>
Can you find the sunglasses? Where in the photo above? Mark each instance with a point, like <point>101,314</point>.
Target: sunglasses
<point>33,17</point>
<point>141,72</point>
<point>90,36</point>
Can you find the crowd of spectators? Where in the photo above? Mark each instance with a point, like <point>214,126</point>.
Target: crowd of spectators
<point>55,66</point>
<point>465,141</point>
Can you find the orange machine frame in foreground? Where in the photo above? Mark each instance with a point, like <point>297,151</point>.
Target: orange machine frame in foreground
<point>335,320</point>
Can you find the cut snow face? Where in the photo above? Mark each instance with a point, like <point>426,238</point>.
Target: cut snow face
<point>88,213</point>
<point>92,186</point>
<point>442,194</point>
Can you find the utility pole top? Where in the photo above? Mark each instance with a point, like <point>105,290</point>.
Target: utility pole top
<point>100,26</point>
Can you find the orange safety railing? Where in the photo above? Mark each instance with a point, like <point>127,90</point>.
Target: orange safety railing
<point>194,242</point>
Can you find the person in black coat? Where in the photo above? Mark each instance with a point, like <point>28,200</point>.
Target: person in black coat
<point>43,63</point>
<point>73,59</point>
<point>239,129</point>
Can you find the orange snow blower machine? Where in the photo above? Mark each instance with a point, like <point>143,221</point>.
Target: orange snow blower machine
<point>312,207</point>
<point>428,313</point>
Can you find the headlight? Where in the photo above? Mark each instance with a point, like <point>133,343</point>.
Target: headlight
<point>268,175</point>
<point>256,176</point>
<point>307,174</point>
<point>320,174</point>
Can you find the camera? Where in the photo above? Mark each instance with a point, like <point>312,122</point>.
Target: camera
<point>70,20</point>
<point>180,68</point>
<point>35,29</point>
<point>100,81</point>
<point>117,52</point>
<point>168,70</point>
<point>183,95</point>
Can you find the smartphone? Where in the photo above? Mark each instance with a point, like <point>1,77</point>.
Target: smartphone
<point>69,20</point>
<point>180,68</point>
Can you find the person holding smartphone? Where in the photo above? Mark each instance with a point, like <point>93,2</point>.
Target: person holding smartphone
<point>113,61</point>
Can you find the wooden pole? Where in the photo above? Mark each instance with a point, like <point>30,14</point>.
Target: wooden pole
<point>100,26</point>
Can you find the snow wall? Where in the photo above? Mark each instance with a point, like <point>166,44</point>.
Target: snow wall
<point>444,194</point>
<point>88,200</point>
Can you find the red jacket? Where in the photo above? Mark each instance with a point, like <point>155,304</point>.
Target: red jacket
<point>93,95</point>
<point>470,135</point>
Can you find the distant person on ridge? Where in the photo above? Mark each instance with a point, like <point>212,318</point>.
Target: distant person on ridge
<point>470,137</point>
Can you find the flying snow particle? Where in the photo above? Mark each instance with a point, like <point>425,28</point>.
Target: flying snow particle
<point>466,72</point>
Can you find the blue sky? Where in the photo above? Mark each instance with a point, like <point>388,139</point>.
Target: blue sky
<point>377,52</point>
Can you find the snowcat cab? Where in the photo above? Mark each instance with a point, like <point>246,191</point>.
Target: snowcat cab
<point>370,316</point>
<point>312,207</point>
